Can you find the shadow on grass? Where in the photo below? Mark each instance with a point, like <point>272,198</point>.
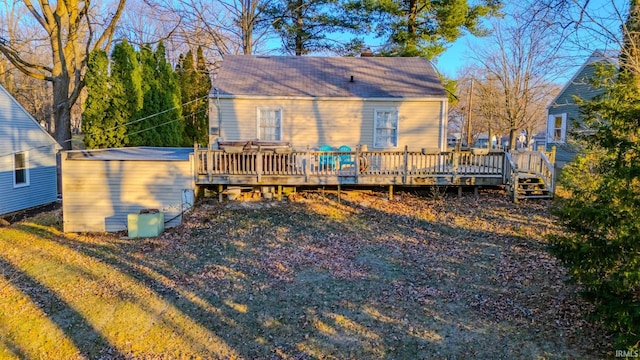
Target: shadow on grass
<point>89,342</point>
<point>318,280</point>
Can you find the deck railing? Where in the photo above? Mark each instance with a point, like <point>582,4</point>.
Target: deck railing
<point>288,162</point>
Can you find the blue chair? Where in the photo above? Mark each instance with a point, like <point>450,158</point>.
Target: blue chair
<point>345,159</point>
<point>326,161</point>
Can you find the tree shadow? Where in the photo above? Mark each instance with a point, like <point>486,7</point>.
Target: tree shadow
<point>88,340</point>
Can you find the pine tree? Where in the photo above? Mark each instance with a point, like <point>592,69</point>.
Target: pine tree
<point>195,84</point>
<point>171,126</point>
<point>126,91</point>
<point>602,247</point>
<point>159,118</point>
<point>100,130</point>
<point>425,27</point>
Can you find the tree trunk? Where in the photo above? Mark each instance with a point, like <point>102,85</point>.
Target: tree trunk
<point>62,111</point>
<point>299,28</point>
<point>512,138</point>
<point>412,26</point>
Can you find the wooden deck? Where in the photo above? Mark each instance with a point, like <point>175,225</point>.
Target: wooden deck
<point>299,168</point>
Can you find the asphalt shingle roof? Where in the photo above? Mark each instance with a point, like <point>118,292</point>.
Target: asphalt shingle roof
<point>373,77</point>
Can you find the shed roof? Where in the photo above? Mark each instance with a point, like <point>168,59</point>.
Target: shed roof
<point>296,76</point>
<point>132,153</point>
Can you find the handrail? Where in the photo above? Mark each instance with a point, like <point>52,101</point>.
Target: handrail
<point>510,175</point>
<point>537,163</point>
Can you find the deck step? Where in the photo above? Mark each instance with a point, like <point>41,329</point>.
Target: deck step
<point>531,186</point>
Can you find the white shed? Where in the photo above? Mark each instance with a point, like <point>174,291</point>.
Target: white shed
<point>101,187</point>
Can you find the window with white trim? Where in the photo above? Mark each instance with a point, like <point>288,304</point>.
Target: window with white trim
<point>557,128</point>
<point>385,134</point>
<point>20,169</point>
<point>270,124</point>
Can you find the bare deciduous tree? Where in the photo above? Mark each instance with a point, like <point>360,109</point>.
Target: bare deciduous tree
<point>72,29</point>
<point>524,62</point>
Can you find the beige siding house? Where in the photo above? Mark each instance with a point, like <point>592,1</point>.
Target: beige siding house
<point>384,103</point>
<point>101,187</point>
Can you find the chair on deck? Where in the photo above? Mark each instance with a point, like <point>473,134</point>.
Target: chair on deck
<point>345,159</point>
<point>327,161</point>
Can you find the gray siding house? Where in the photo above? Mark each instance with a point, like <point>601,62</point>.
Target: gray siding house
<point>27,159</point>
<point>563,110</point>
<point>384,103</point>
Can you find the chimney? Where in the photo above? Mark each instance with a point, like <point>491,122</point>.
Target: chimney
<point>367,53</point>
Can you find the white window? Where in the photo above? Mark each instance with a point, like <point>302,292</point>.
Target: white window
<point>20,169</point>
<point>557,128</point>
<point>270,124</point>
<point>385,133</point>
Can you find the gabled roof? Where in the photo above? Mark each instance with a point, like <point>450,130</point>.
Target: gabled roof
<point>331,77</point>
<point>19,131</point>
<point>598,56</point>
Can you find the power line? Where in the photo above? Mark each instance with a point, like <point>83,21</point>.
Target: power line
<point>153,115</point>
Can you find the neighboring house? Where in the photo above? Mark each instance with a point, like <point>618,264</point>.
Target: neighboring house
<point>101,187</point>
<point>384,103</point>
<point>563,110</point>
<point>27,159</point>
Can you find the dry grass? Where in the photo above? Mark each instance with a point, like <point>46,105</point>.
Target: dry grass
<point>307,278</point>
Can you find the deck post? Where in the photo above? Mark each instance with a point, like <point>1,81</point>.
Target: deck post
<point>406,164</point>
<point>390,192</point>
<point>259,164</point>
<point>356,163</point>
<point>460,191</point>
<point>279,192</point>
<point>196,169</point>
<point>209,163</point>
<point>339,190</point>
<point>307,165</point>
<point>220,193</point>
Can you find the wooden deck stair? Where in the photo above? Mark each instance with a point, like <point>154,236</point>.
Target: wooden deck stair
<point>531,186</point>
<point>531,175</point>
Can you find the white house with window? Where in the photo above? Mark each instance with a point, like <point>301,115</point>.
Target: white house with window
<point>383,103</point>
<point>563,114</point>
<point>27,159</point>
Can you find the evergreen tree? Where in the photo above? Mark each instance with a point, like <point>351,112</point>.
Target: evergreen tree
<point>171,127</point>
<point>126,91</point>
<point>311,25</point>
<point>159,118</point>
<point>195,84</point>
<point>100,130</point>
<point>425,27</point>
<point>602,249</point>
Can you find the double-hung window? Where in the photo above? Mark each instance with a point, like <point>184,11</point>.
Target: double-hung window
<point>20,169</point>
<point>270,124</point>
<point>557,128</point>
<point>386,128</point>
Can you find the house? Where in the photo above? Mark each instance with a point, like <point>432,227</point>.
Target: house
<point>383,103</point>
<point>563,113</point>
<point>100,188</point>
<point>27,159</point>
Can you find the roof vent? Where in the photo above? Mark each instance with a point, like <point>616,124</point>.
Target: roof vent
<point>367,53</point>
<point>351,80</point>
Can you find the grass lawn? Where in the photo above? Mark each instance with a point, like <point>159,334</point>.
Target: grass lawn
<point>307,278</point>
